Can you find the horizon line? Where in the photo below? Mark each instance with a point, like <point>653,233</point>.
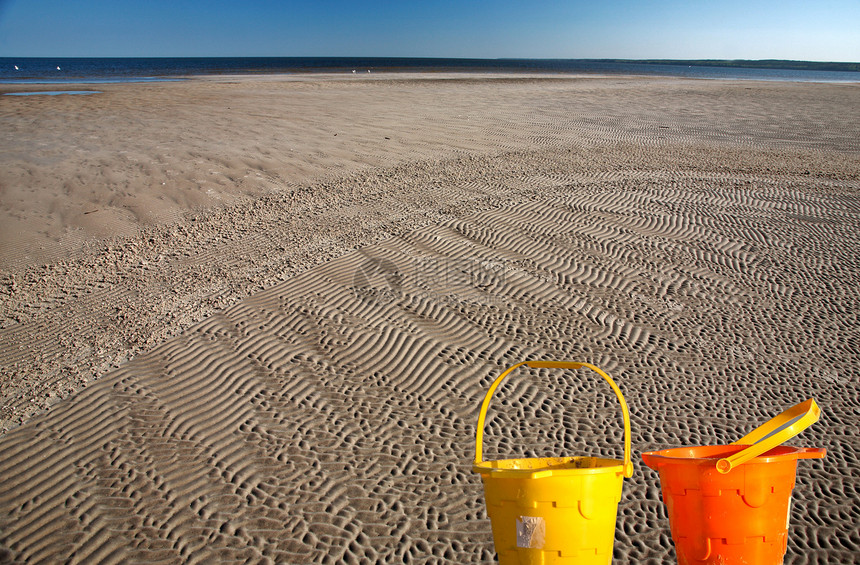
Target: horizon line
<point>612,59</point>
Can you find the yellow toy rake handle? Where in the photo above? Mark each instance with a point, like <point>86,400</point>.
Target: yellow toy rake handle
<point>479,436</point>
<point>772,433</point>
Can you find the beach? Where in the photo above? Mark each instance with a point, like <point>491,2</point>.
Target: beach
<point>252,319</point>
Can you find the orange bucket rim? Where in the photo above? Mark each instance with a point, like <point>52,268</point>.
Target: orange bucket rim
<point>710,454</point>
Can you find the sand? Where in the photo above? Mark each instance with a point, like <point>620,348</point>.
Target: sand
<point>252,320</point>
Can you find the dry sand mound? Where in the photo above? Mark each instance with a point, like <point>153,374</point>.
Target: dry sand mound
<point>706,258</point>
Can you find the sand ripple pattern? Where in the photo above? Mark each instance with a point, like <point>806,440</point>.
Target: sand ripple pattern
<point>330,418</point>
<point>112,243</point>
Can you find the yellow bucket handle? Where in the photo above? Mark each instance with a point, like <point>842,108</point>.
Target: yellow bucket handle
<point>772,433</point>
<point>479,436</point>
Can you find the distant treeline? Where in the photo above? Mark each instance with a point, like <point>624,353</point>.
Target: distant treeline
<point>749,64</point>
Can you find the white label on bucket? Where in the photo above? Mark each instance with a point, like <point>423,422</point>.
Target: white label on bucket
<point>531,531</point>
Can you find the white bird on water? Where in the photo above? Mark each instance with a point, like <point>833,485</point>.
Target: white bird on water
<point>16,67</point>
<point>58,68</point>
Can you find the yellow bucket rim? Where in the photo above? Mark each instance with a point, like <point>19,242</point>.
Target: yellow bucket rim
<point>544,467</point>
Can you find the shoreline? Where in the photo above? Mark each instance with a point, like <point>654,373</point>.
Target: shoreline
<point>416,75</point>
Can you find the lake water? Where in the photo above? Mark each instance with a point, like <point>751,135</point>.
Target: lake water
<point>107,70</point>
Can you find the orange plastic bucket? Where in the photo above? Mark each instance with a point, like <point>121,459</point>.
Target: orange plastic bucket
<point>723,514</point>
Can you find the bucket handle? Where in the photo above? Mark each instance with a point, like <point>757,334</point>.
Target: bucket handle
<point>772,433</point>
<point>479,436</point>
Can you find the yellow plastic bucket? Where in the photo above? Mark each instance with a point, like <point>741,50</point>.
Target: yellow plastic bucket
<point>553,509</point>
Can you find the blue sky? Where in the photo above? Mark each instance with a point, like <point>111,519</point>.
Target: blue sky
<point>818,30</point>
